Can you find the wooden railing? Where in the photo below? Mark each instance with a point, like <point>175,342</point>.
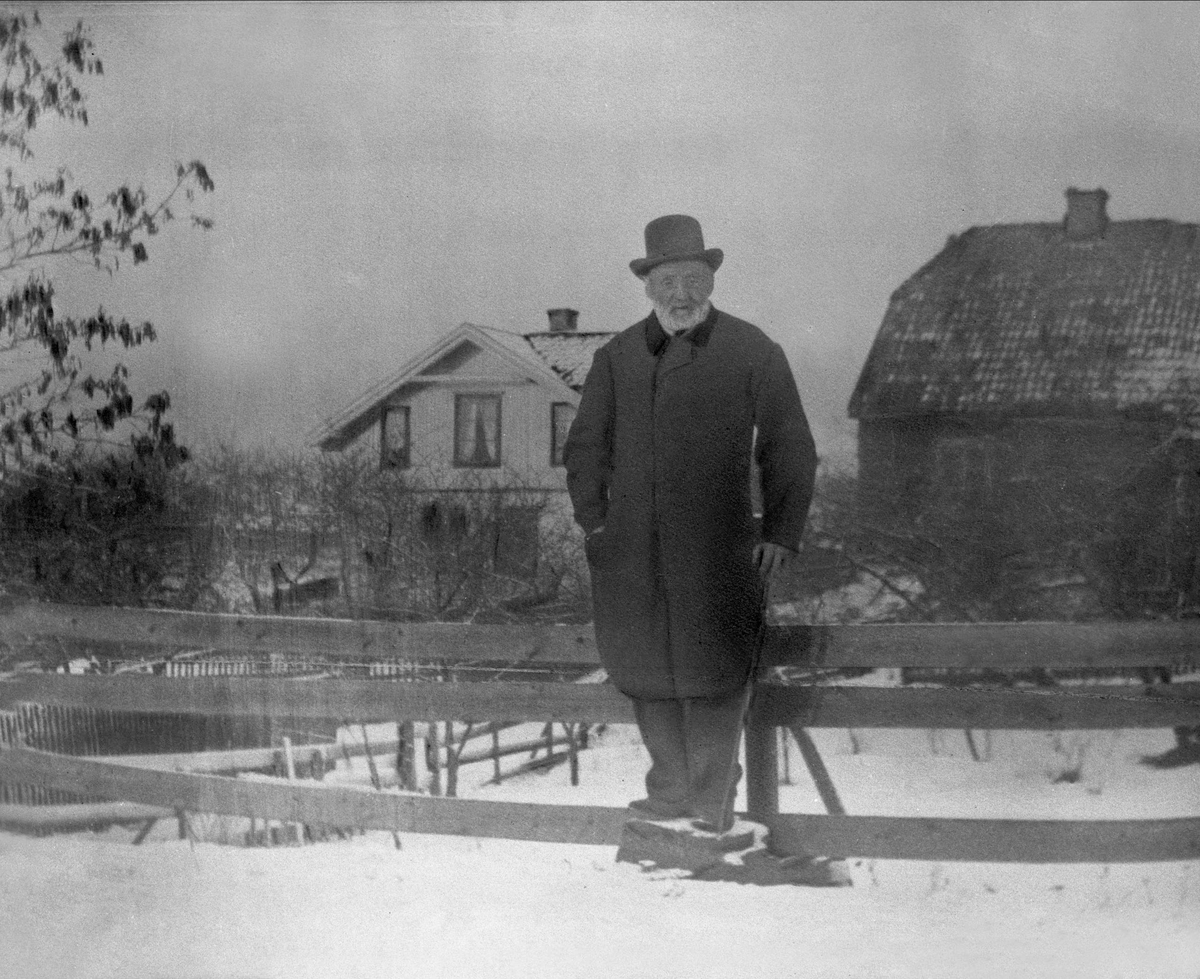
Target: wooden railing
<point>797,704</point>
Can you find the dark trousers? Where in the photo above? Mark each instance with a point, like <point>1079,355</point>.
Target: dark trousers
<point>694,744</point>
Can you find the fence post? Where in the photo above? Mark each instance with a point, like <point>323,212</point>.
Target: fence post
<point>451,761</point>
<point>572,752</point>
<point>406,766</point>
<point>432,762</point>
<point>762,770</point>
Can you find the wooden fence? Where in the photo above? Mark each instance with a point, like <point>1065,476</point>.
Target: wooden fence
<point>798,702</point>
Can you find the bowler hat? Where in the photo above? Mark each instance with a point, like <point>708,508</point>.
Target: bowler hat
<point>675,238</point>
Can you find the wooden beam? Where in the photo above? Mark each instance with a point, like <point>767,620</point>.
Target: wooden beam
<point>868,837</point>
<point>244,759</point>
<point>819,773</point>
<point>77,816</point>
<point>514,748</point>
<point>988,840</point>
<point>359,700</point>
<point>762,769</point>
<point>992,645</point>
<point>1080,707</point>
<point>1077,707</point>
<point>316,804</point>
<point>986,645</point>
<point>330,639</point>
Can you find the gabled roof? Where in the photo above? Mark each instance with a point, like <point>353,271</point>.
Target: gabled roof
<point>1021,319</point>
<point>567,353</point>
<point>560,360</point>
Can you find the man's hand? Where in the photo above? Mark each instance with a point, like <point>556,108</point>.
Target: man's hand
<point>770,558</point>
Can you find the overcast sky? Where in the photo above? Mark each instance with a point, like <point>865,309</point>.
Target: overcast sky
<point>385,172</point>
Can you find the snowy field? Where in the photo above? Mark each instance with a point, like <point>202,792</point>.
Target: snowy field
<point>93,905</point>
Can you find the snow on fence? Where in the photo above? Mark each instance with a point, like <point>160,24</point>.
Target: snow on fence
<point>784,698</point>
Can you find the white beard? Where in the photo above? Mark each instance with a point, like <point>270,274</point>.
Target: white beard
<point>673,323</point>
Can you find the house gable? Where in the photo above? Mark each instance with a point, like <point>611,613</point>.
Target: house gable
<point>444,362</point>
<point>470,361</point>
<point>480,403</point>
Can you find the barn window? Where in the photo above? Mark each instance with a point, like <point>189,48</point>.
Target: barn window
<point>477,430</point>
<point>562,413</point>
<point>395,438</point>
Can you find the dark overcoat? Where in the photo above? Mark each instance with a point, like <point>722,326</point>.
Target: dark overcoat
<point>659,454</point>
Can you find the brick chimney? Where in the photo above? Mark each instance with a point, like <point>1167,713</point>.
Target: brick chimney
<point>562,320</point>
<point>1087,214</point>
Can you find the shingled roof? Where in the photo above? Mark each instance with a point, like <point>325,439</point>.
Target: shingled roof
<point>1044,319</point>
<point>568,354</point>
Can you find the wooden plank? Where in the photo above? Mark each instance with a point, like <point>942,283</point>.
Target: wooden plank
<point>988,840</point>
<point>360,700</point>
<point>516,748</point>
<point>77,816</point>
<point>317,804</point>
<point>986,645</point>
<point>1077,707</point>
<point>1081,707</point>
<point>242,759</point>
<point>820,774</point>
<point>334,639</point>
<point>869,837</point>
<point>762,768</point>
<point>996,645</point>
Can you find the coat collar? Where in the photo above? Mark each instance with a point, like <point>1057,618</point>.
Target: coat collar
<point>699,335</point>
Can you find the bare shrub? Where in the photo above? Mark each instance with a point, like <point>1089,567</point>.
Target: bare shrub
<point>112,528</point>
<point>335,534</point>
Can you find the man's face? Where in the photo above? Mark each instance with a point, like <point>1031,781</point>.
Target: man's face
<point>679,291</point>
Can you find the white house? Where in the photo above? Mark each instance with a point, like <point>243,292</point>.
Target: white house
<point>474,426</point>
<point>482,407</point>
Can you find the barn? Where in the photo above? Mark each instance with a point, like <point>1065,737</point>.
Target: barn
<point>1033,396</point>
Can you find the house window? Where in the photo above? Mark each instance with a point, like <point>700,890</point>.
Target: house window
<point>477,430</point>
<point>395,438</point>
<point>444,521</point>
<point>561,415</point>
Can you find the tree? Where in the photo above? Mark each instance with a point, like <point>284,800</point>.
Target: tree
<point>48,219</point>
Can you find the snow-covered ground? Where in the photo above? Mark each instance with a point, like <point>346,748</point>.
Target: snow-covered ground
<point>96,906</point>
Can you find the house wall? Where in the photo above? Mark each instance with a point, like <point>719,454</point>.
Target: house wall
<point>907,462</point>
<point>1025,486</point>
<point>525,440</point>
<point>416,560</point>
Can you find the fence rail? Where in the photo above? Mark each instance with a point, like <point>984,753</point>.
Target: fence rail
<point>1083,706</point>
<point>949,645</point>
<point>353,640</point>
<point>823,703</point>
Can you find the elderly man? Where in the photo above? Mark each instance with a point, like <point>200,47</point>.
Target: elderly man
<point>659,470</point>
